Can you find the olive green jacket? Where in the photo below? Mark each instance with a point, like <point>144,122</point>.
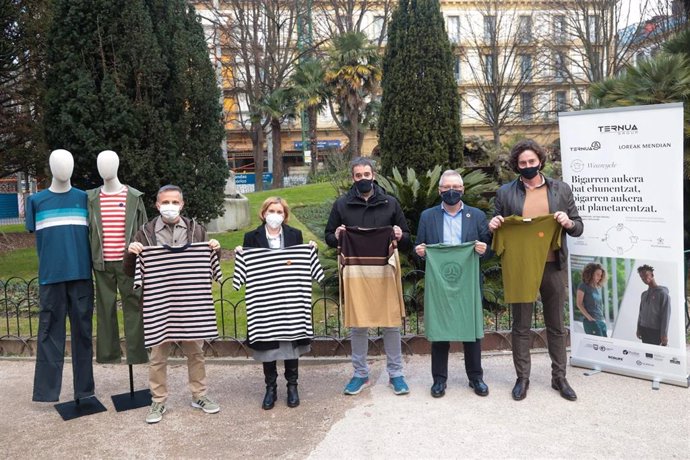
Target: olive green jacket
<point>135,217</point>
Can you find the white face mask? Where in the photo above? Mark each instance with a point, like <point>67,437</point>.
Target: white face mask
<point>274,221</point>
<point>170,212</point>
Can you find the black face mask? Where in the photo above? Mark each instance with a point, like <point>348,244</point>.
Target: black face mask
<point>451,197</point>
<point>364,185</point>
<point>529,173</point>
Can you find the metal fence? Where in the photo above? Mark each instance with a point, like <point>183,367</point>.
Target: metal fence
<point>20,306</point>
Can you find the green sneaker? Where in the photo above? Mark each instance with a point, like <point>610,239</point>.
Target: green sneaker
<point>156,412</point>
<point>206,404</point>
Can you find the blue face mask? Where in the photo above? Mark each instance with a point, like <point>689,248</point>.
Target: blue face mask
<point>451,197</point>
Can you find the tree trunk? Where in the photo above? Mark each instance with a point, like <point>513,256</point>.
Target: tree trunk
<point>355,148</point>
<point>276,135</point>
<point>313,141</point>
<point>497,135</point>
<point>258,148</point>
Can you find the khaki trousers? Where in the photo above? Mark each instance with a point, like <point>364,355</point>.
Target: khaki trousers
<point>158,369</point>
<point>553,292</point>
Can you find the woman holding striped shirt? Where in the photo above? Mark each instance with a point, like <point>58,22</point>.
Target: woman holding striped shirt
<point>274,233</point>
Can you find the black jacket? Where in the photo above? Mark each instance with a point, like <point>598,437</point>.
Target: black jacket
<point>510,199</point>
<point>257,239</point>
<point>379,211</point>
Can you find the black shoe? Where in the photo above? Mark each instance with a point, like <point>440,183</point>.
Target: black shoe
<point>561,384</point>
<point>438,389</point>
<point>480,388</point>
<point>270,397</point>
<point>520,389</point>
<point>292,395</point>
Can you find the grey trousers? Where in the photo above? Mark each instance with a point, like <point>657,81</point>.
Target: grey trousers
<point>553,294</point>
<point>359,339</point>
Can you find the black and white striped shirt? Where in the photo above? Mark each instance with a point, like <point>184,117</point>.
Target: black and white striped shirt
<point>278,293</point>
<point>176,292</point>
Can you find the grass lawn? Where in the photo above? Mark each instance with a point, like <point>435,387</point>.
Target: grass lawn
<point>305,195</point>
<point>21,262</point>
<point>13,228</point>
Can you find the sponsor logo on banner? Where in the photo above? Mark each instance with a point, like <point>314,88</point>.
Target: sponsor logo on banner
<point>596,145</point>
<point>640,363</point>
<point>649,355</point>
<point>631,353</point>
<point>654,145</point>
<point>595,346</point>
<point>615,358</point>
<point>675,360</point>
<point>625,128</point>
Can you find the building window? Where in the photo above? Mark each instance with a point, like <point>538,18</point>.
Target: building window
<point>489,28</point>
<point>456,69</point>
<point>489,65</point>
<point>526,67</point>
<point>453,28</point>
<point>526,106</point>
<point>593,33</point>
<point>377,29</point>
<point>525,29</point>
<point>561,103</point>
<point>559,66</point>
<point>559,28</point>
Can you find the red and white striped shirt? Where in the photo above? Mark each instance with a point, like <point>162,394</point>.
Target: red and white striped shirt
<point>113,208</point>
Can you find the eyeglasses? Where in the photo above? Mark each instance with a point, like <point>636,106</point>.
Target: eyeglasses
<point>458,188</point>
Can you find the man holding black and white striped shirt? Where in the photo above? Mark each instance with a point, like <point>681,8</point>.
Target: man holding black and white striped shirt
<point>171,229</point>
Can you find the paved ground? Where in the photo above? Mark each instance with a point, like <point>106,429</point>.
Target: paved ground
<point>614,417</point>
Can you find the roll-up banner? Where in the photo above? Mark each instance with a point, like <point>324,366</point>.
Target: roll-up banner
<point>627,309</point>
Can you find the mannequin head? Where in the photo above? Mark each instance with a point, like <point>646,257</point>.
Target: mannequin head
<point>61,165</point>
<point>108,162</point>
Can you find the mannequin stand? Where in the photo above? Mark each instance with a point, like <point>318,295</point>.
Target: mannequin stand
<point>133,399</point>
<point>79,408</point>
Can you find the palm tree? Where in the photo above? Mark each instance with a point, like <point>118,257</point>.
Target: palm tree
<point>276,107</point>
<point>353,74</point>
<point>663,79</point>
<point>311,93</point>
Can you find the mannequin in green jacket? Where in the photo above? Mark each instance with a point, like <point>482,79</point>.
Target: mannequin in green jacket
<point>107,235</point>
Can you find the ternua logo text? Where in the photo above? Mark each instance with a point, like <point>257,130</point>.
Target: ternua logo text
<point>593,146</point>
<point>617,128</point>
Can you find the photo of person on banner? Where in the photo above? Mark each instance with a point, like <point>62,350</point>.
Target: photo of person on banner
<point>589,299</point>
<point>655,310</point>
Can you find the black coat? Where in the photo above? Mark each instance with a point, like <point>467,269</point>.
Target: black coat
<point>257,239</point>
<point>379,211</point>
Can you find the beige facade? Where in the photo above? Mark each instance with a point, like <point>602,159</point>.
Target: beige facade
<point>531,102</point>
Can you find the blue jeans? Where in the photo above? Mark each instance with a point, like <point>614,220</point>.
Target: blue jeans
<point>359,340</point>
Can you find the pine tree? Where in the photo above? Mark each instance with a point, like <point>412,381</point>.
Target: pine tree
<point>419,124</point>
<point>192,107</point>
<point>134,76</point>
